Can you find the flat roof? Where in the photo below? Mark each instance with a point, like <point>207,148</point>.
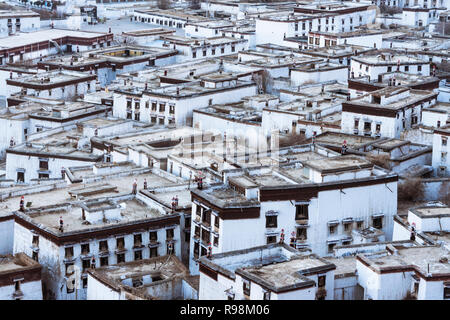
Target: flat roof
<point>16,263</point>
<point>339,163</point>
<point>289,274</point>
<point>25,39</point>
<point>432,212</point>
<point>133,211</point>
<point>159,269</point>
<point>425,259</point>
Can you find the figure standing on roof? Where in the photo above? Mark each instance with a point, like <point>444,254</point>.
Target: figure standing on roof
<point>199,180</point>
<point>145,184</point>
<point>174,203</point>
<point>135,186</point>
<point>61,224</point>
<point>293,239</point>
<point>63,173</point>
<point>344,147</point>
<point>22,204</point>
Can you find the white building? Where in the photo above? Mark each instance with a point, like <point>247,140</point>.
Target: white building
<point>271,272</point>
<point>169,18</point>
<point>318,72</point>
<point>159,278</point>
<point>386,112</point>
<point>202,48</point>
<point>403,273</point>
<point>61,84</point>
<point>441,151</point>
<point>20,278</point>
<point>364,38</point>
<point>46,153</point>
<point>44,43</point>
<point>207,29</point>
<point>332,17</point>
<point>110,225</point>
<point>375,64</point>
<point>173,104</point>
<point>296,198</point>
<point>12,22</point>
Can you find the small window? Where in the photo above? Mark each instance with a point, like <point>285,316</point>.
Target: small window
<point>137,240</point>
<point>104,261</point>
<point>85,248</point>
<point>359,225</point>
<point>332,229</point>
<point>447,292</point>
<point>301,212</point>
<point>153,236</point>
<point>302,234</point>
<point>216,222</point>
<point>69,252</point>
<point>85,282</point>
<point>271,221</point>
<point>138,255</point>
<point>43,164</point>
<point>377,222</point>
<point>271,239</point>
<point>120,243</point>
<point>321,281</point>
<point>266,295</point>
<point>153,252</point>
<point>444,141</point>
<point>35,241</point>
<point>331,247</point>
<point>85,264</point>
<point>103,246</point>
<point>348,226</point>
<point>35,256</point>
<point>216,241</point>
<point>120,257</point>
<point>169,234</point>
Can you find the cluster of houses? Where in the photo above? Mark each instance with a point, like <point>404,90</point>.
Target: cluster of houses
<point>245,151</point>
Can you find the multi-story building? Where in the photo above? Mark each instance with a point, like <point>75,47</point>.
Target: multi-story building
<point>72,229</point>
<point>386,112</point>
<point>375,64</point>
<point>334,17</point>
<point>441,151</point>
<point>173,104</point>
<point>313,202</point>
<point>12,22</point>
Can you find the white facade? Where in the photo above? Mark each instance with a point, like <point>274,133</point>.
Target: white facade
<point>168,109</point>
<point>441,152</point>
<point>343,209</point>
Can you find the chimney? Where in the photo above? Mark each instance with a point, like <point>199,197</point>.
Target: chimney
<point>165,72</point>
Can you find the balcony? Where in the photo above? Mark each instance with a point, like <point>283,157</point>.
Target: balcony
<point>302,222</point>
<point>206,224</point>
